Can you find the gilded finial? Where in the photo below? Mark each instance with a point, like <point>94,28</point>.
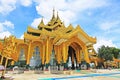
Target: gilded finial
<point>41,23</point>
<point>57,15</point>
<point>58,18</point>
<point>53,17</point>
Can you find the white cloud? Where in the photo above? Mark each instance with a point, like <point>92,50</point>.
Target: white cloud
<point>5,33</point>
<point>105,42</point>
<point>7,6</point>
<point>81,5</point>
<point>22,36</point>
<point>26,2</point>
<point>1,27</point>
<point>6,28</point>
<point>36,22</point>
<point>67,16</point>
<point>68,10</point>
<point>108,25</point>
<point>5,25</point>
<point>8,24</point>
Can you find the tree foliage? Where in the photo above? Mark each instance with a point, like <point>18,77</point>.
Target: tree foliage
<point>115,52</point>
<point>107,53</point>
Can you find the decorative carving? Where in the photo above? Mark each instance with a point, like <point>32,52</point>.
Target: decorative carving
<point>9,47</point>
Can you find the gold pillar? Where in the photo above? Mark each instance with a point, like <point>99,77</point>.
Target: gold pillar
<point>64,53</point>
<point>78,56</point>
<point>1,60</point>
<point>58,54</point>
<point>86,55</point>
<point>6,62</point>
<point>50,48</point>
<point>47,51</point>
<point>43,55</point>
<point>96,63</point>
<point>28,55</point>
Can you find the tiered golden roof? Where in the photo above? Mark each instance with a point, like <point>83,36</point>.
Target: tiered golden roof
<point>56,29</point>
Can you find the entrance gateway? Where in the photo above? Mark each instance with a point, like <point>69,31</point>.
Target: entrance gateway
<point>54,45</point>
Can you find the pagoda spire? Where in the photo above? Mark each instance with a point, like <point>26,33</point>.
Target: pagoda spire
<point>58,15</point>
<point>58,18</point>
<point>41,23</point>
<point>53,17</point>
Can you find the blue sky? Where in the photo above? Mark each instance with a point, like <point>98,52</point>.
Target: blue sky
<point>98,18</point>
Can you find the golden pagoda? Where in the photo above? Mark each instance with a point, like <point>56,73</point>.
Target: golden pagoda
<point>53,44</point>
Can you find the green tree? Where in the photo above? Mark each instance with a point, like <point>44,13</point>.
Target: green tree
<point>115,52</point>
<point>108,53</point>
<point>105,53</point>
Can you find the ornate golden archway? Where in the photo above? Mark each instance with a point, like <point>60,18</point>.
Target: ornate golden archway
<point>54,35</point>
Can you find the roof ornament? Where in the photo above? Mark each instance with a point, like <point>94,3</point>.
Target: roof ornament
<point>53,17</point>
<point>41,24</point>
<point>70,26</point>
<point>58,16</point>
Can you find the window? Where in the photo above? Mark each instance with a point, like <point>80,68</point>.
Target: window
<point>22,54</point>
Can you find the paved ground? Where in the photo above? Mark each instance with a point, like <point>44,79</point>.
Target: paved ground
<point>75,75</point>
<point>95,75</point>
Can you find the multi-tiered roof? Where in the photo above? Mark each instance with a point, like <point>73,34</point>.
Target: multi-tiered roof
<point>56,30</point>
